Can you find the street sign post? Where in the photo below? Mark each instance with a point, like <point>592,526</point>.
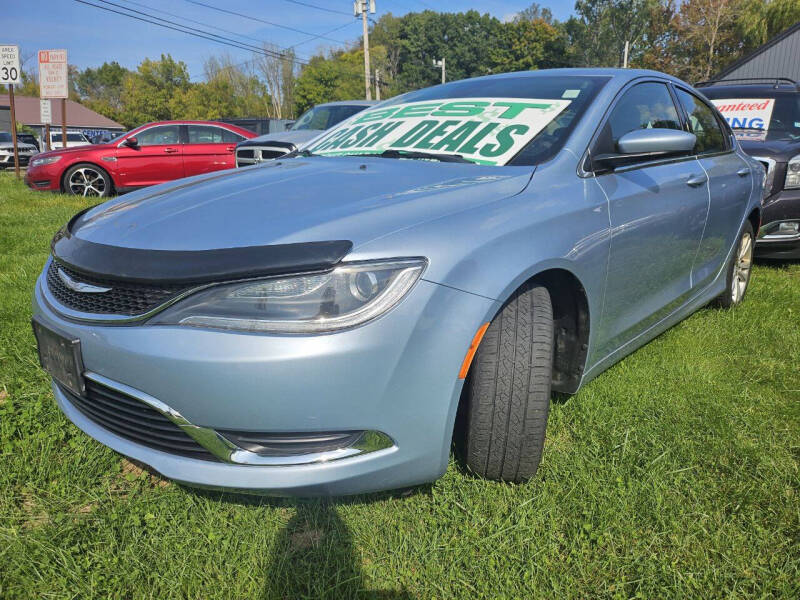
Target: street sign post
<point>46,118</point>
<point>53,82</point>
<point>10,75</point>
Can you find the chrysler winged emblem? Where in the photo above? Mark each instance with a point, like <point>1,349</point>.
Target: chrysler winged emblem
<point>79,286</point>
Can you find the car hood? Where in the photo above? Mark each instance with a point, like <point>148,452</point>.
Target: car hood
<point>779,150</point>
<point>295,137</point>
<point>75,149</point>
<point>20,146</point>
<point>296,200</point>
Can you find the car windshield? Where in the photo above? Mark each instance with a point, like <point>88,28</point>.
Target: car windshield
<point>5,137</point>
<point>71,137</point>
<point>511,120</point>
<point>324,117</point>
<point>760,116</point>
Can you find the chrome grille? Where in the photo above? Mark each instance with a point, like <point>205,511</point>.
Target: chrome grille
<point>124,298</point>
<point>133,420</point>
<point>251,155</point>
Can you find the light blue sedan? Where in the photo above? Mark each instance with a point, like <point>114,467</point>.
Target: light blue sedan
<point>427,272</point>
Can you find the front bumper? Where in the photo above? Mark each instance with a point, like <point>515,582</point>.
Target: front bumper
<point>781,207</point>
<point>7,160</point>
<point>396,375</point>
<point>44,177</point>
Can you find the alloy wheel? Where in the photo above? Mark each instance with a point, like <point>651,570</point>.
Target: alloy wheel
<point>87,182</point>
<point>741,268</point>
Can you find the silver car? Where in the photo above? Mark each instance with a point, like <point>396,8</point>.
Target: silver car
<point>428,270</point>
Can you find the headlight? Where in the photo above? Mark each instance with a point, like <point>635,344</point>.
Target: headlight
<point>45,160</point>
<point>793,173</point>
<point>347,296</point>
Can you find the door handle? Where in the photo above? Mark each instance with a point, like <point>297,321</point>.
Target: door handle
<point>696,180</point>
<point>743,172</point>
<point>230,148</point>
<point>170,150</point>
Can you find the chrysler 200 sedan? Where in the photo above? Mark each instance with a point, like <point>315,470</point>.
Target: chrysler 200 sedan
<point>428,270</point>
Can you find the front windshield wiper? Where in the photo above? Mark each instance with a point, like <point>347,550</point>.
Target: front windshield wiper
<point>417,155</point>
<point>296,153</point>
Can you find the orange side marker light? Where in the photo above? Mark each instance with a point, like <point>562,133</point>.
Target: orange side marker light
<point>473,348</point>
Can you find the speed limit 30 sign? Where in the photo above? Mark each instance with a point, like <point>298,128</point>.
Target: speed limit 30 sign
<point>9,64</point>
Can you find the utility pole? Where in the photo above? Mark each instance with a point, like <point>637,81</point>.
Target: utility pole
<point>377,84</point>
<point>625,55</point>
<point>440,63</point>
<point>362,7</point>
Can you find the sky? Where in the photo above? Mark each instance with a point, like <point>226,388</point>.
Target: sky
<point>92,36</point>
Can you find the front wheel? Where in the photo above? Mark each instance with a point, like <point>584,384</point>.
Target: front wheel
<point>87,180</point>
<point>741,263</point>
<point>508,389</point>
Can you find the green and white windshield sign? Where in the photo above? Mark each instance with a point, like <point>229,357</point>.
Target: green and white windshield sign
<point>484,130</point>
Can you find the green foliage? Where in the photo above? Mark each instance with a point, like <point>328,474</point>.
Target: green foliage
<point>673,475</point>
<point>340,76</point>
<point>692,39</point>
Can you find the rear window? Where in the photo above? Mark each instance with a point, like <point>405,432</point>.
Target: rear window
<point>760,116</point>
<point>71,137</point>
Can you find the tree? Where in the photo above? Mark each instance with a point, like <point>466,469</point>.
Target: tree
<point>535,12</point>
<point>528,44</point>
<point>705,37</point>
<point>101,89</point>
<point>598,34</point>
<point>237,92</point>
<point>340,76</point>
<point>148,92</point>
<point>278,70</point>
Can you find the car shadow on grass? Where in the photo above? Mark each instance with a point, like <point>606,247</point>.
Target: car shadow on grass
<point>313,555</point>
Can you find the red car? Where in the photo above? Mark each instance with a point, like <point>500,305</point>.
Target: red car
<point>150,154</point>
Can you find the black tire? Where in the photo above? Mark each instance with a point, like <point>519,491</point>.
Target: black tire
<point>508,389</point>
<point>86,179</point>
<point>739,267</point>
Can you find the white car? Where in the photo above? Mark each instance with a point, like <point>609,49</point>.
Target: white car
<point>74,138</point>
<point>25,151</point>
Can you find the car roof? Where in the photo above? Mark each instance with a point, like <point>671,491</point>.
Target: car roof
<point>748,91</point>
<point>621,75</point>
<point>348,103</point>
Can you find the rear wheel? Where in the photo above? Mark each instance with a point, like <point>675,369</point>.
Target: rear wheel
<point>741,263</point>
<point>508,389</point>
<point>85,179</point>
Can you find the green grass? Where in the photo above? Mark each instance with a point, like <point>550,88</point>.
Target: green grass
<point>672,475</point>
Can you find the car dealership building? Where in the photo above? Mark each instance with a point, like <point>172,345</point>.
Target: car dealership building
<point>79,117</point>
<point>779,57</point>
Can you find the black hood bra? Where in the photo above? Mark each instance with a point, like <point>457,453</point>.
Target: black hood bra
<point>191,266</point>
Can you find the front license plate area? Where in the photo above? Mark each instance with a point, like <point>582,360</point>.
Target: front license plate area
<point>60,356</point>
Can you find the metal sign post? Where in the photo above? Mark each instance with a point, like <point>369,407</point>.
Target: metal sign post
<point>10,75</point>
<point>53,82</point>
<point>46,118</point>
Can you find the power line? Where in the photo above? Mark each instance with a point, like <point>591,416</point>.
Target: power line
<point>164,12</point>
<point>133,10</point>
<point>193,31</point>
<point>231,12</point>
<point>330,10</point>
<point>316,37</point>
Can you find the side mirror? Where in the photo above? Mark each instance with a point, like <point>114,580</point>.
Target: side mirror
<point>132,142</point>
<point>648,144</point>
